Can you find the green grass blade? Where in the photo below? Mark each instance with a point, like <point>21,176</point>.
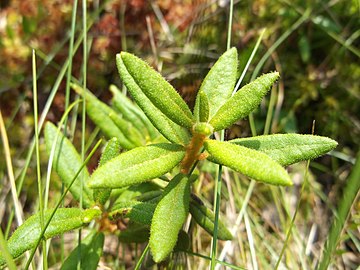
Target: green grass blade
<point>5,252</point>
<point>60,201</point>
<point>345,204</point>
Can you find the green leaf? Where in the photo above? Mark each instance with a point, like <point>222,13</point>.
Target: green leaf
<point>67,162</point>
<point>201,111</point>
<point>169,129</point>
<point>247,161</point>
<point>206,219</point>
<point>169,217</point>
<point>288,149</point>
<point>150,196</point>
<point>91,250</point>
<point>134,70</point>
<point>132,113</point>
<point>99,113</point>
<point>220,81</point>
<point>135,233</point>
<point>112,150</point>
<point>137,165</point>
<point>132,192</point>
<point>140,212</point>
<point>183,242</point>
<point>131,133</point>
<point>243,102</point>
<point>65,219</point>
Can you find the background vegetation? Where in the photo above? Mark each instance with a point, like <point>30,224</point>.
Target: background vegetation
<point>313,44</point>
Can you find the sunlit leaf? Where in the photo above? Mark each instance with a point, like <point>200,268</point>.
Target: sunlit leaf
<point>243,102</point>
<point>138,75</point>
<point>247,161</point>
<point>169,217</point>
<point>219,82</point>
<point>169,129</point>
<point>26,236</point>
<point>137,165</point>
<point>287,149</point>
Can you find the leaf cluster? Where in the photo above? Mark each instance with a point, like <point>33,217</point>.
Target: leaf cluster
<point>162,136</point>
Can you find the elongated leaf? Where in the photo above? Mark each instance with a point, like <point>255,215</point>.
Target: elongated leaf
<point>131,133</point>
<point>112,150</point>
<point>64,220</point>
<point>288,149</point>
<point>67,162</point>
<point>140,212</point>
<point>169,217</point>
<point>99,113</point>
<point>136,233</point>
<point>249,162</point>
<point>169,129</point>
<point>150,196</point>
<point>206,219</point>
<point>243,102</point>
<point>91,251</point>
<point>132,113</point>
<point>201,109</point>
<point>137,165</point>
<point>132,192</point>
<point>155,87</point>
<point>220,81</point>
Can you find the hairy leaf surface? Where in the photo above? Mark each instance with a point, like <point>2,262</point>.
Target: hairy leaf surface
<point>155,87</point>
<point>169,217</point>
<point>247,161</point>
<point>137,165</point>
<point>64,220</point>
<point>243,102</point>
<point>220,81</point>
<point>288,149</point>
<point>169,129</point>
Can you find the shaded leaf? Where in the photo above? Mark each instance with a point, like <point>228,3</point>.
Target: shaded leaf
<point>288,149</point>
<point>137,165</point>
<point>135,233</point>
<point>247,161</point>
<point>65,219</point>
<point>220,81</point>
<point>67,162</point>
<point>91,251</point>
<point>132,113</point>
<point>243,102</point>
<point>206,219</point>
<point>131,133</point>
<point>99,113</point>
<point>169,217</point>
<point>112,150</point>
<point>140,212</point>
<point>155,87</point>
